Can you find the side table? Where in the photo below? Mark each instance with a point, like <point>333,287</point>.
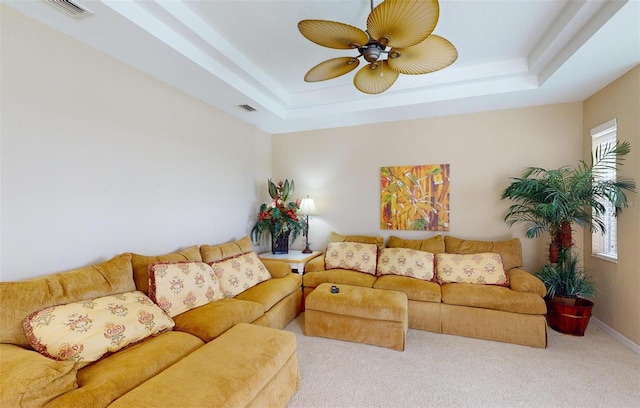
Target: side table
<point>296,259</point>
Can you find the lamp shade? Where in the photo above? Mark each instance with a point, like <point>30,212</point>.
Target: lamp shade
<point>307,206</point>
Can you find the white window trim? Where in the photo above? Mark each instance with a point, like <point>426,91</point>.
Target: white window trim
<point>597,132</point>
<point>604,128</point>
<point>605,257</point>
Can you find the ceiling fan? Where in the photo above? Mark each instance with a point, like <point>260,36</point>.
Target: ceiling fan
<point>398,40</point>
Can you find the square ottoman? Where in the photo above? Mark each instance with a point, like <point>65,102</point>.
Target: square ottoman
<point>358,314</point>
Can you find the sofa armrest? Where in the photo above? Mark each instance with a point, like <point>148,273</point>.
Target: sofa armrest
<point>315,265</point>
<point>31,379</point>
<point>523,281</point>
<point>277,269</point>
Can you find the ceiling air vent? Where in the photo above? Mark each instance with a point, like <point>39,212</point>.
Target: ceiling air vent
<point>70,8</point>
<point>248,108</point>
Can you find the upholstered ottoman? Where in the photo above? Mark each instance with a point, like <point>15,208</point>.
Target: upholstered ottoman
<point>247,366</point>
<point>363,315</point>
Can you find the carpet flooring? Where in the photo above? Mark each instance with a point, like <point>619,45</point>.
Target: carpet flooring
<point>438,370</point>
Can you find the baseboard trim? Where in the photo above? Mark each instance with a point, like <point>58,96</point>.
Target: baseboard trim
<point>631,345</point>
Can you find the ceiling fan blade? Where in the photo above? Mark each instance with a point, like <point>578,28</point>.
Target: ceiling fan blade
<point>332,68</point>
<point>332,34</point>
<point>431,55</point>
<point>375,81</point>
<point>403,23</point>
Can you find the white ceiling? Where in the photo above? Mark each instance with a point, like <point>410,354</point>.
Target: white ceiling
<point>512,53</point>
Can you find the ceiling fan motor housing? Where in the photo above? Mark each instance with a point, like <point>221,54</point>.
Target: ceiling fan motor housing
<point>371,52</point>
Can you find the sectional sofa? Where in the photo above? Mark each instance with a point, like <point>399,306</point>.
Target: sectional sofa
<point>219,350</point>
<point>510,309</point>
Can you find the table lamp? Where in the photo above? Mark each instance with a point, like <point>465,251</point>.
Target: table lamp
<point>307,207</point>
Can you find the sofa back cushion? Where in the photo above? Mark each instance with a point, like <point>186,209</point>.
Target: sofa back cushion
<point>240,273</point>
<point>406,262</point>
<point>365,239</point>
<point>19,299</point>
<point>141,264</point>
<point>355,256</point>
<point>215,253</point>
<point>180,286</point>
<point>435,245</point>
<point>510,250</point>
<point>480,268</point>
<point>87,330</point>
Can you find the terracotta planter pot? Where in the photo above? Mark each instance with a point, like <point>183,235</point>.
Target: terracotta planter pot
<point>569,315</point>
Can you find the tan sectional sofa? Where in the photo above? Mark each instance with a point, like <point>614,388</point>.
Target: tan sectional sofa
<point>513,314</point>
<point>217,354</point>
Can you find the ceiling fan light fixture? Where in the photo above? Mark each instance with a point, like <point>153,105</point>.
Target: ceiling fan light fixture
<point>401,29</point>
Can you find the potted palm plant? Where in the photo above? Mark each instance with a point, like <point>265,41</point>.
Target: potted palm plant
<point>551,201</point>
<point>279,219</point>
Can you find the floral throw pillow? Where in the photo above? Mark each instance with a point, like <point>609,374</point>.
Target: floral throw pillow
<point>87,330</point>
<point>482,268</point>
<point>406,262</point>
<point>355,256</point>
<point>180,286</point>
<point>240,273</point>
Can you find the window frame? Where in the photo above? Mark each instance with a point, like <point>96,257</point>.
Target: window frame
<point>606,133</point>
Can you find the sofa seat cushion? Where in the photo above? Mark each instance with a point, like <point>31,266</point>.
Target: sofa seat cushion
<point>270,292</point>
<point>341,276</point>
<point>102,382</point>
<point>492,297</point>
<point>30,379</point>
<point>238,369</point>
<point>19,299</point>
<point>415,289</point>
<point>211,320</point>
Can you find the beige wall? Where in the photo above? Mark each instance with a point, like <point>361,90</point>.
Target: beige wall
<point>99,158</point>
<point>340,168</point>
<point>618,299</point>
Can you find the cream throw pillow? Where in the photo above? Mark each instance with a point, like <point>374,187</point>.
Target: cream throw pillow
<point>351,255</point>
<point>406,262</point>
<point>240,273</point>
<point>87,330</point>
<point>482,268</point>
<point>180,286</point>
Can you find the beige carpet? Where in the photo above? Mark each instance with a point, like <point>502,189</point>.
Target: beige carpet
<point>437,370</point>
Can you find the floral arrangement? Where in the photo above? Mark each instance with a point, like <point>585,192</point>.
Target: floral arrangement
<point>279,217</point>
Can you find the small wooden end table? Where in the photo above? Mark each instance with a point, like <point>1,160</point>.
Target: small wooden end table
<point>296,259</point>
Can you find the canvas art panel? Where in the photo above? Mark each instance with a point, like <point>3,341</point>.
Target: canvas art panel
<point>414,197</point>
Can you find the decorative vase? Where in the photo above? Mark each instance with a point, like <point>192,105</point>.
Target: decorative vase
<point>569,315</point>
<point>280,243</point>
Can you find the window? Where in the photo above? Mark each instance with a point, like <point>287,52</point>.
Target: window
<point>606,245</point>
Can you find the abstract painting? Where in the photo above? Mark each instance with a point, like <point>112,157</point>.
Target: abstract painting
<point>415,197</point>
